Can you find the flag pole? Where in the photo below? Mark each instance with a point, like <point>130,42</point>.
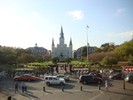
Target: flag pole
<point>87,42</point>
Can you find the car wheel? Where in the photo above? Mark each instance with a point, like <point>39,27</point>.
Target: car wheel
<point>47,83</point>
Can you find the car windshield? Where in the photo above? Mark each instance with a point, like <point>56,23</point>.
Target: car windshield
<point>60,76</point>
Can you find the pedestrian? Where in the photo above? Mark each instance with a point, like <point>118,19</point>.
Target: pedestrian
<point>106,85</point>
<point>16,87</point>
<point>23,86</point>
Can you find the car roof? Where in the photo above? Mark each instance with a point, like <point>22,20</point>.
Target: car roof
<point>26,74</point>
<point>86,76</point>
<point>50,76</point>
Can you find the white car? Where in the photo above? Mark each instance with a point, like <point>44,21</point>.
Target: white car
<point>63,76</point>
<point>54,80</point>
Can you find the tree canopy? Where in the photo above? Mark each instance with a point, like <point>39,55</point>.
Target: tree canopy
<point>124,51</point>
<point>109,61</point>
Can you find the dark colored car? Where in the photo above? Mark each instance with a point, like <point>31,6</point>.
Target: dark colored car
<point>116,76</point>
<point>85,79</point>
<point>95,74</point>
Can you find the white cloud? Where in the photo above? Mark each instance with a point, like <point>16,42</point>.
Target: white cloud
<point>121,34</point>
<point>126,34</point>
<point>119,12</point>
<point>76,15</point>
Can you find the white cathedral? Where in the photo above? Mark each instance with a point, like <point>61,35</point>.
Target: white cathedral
<point>62,51</point>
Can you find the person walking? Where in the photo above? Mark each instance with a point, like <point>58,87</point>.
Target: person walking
<point>16,87</point>
<point>23,87</point>
<point>106,85</point>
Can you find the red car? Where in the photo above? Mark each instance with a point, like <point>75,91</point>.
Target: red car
<point>25,77</point>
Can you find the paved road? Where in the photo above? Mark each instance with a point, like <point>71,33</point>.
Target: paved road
<point>71,91</point>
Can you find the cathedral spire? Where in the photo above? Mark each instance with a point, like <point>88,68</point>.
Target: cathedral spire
<point>61,34</point>
<point>53,42</point>
<point>70,44</point>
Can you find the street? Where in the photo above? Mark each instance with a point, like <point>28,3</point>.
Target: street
<point>71,91</point>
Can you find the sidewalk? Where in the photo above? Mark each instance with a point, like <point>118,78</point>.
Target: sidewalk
<point>71,94</point>
<point>114,93</point>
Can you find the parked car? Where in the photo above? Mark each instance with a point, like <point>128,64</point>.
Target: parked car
<point>85,79</point>
<point>129,78</point>
<point>54,80</point>
<point>116,76</point>
<point>66,77</point>
<point>25,77</point>
<point>22,73</point>
<point>95,74</point>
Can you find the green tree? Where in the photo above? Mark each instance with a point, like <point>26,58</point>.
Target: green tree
<point>98,56</point>
<point>107,47</point>
<point>55,60</point>
<point>130,60</point>
<point>11,59</point>
<point>25,58</point>
<point>109,61</point>
<point>47,57</point>
<point>98,49</point>
<point>124,51</point>
<point>68,60</point>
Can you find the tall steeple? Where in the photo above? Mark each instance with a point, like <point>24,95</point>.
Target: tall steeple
<point>61,34</point>
<point>53,42</point>
<point>70,44</point>
<point>61,41</point>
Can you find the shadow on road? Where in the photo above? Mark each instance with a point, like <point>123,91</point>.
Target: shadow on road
<point>72,81</point>
<point>69,86</point>
<point>48,92</point>
<point>66,86</point>
<point>29,95</point>
<point>109,91</point>
<point>68,92</point>
<point>31,88</point>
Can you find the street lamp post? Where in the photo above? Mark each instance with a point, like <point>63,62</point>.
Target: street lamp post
<point>87,41</point>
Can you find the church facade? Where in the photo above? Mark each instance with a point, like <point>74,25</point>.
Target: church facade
<point>62,51</point>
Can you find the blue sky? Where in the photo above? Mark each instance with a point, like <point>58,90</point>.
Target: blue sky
<point>26,22</point>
